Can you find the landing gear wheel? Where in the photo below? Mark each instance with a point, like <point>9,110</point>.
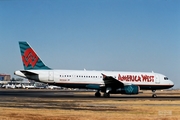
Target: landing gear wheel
<point>98,94</point>
<point>106,95</point>
<point>154,95</point>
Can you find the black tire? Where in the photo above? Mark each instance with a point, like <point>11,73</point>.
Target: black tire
<point>97,94</point>
<point>106,95</point>
<point>154,95</point>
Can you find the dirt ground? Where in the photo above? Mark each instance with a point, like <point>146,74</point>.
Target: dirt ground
<point>91,110</point>
<point>40,108</point>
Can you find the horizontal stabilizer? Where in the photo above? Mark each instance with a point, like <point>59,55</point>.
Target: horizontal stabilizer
<point>28,72</point>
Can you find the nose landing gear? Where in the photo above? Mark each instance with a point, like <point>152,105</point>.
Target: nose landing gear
<point>154,94</point>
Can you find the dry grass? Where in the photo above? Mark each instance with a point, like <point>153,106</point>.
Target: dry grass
<point>96,110</point>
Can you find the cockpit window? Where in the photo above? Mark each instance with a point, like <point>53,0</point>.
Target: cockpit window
<point>165,78</point>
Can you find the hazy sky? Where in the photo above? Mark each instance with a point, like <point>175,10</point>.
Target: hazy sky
<point>113,35</point>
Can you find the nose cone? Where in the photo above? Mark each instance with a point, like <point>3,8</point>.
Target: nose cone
<point>171,83</point>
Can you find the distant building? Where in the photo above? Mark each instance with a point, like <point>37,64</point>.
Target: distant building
<point>5,77</point>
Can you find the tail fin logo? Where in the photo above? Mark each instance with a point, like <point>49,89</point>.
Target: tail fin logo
<point>29,57</point>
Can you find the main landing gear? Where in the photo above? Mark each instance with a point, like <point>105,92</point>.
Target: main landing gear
<point>98,94</point>
<point>106,95</point>
<point>154,94</point>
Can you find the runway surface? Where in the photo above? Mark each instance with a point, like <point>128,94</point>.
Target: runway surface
<point>83,95</point>
<point>80,100</point>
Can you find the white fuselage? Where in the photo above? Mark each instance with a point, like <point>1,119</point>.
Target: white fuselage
<point>81,78</point>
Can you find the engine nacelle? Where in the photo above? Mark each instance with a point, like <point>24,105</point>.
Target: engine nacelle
<point>129,89</point>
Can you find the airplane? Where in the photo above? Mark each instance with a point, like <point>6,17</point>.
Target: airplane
<point>107,82</point>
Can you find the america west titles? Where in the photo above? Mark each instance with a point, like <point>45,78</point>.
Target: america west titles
<point>136,78</point>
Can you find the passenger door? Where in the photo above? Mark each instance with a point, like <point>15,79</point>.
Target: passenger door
<point>157,79</point>
<point>51,76</point>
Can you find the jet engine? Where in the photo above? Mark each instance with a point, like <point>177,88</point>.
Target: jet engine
<point>128,89</point>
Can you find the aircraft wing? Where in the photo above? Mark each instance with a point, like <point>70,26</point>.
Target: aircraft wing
<point>112,82</point>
